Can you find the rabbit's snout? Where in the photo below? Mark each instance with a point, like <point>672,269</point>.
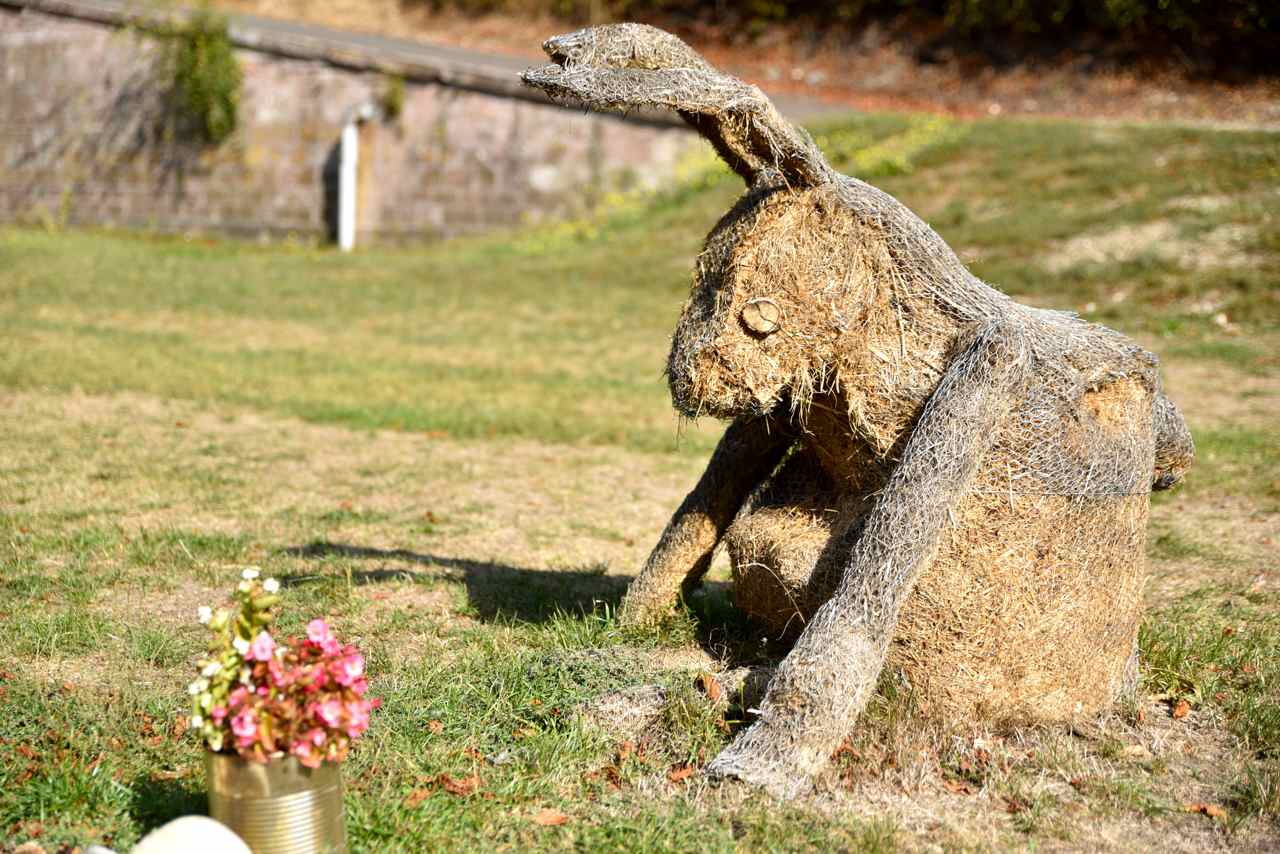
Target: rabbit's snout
<point>569,49</point>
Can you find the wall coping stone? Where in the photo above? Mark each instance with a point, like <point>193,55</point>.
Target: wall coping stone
<point>415,61</point>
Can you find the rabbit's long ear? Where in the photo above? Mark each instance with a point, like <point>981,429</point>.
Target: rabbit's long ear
<point>631,66</point>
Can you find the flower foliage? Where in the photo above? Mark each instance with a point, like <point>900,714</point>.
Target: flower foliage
<point>261,698</point>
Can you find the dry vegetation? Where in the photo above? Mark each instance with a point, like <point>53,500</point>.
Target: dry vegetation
<point>470,498</point>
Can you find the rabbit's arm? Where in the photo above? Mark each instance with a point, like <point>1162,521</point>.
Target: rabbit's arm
<point>625,67</point>
<point>823,683</point>
<point>749,451</point>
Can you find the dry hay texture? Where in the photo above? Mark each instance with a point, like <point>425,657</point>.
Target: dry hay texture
<point>919,473</point>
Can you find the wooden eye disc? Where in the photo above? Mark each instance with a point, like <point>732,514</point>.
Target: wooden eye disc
<point>762,316</point>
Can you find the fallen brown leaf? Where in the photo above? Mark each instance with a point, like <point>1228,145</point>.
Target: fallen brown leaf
<point>625,749</point>
<point>1014,806</point>
<point>1211,810</point>
<point>613,776</point>
<point>845,749</point>
<point>708,685</point>
<point>416,797</point>
<point>459,786</point>
<point>548,817</point>
<point>680,772</point>
<point>1181,709</point>
<point>435,727</point>
<point>957,787</point>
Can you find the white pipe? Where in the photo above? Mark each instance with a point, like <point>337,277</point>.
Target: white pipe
<point>348,160</point>
<point>348,163</point>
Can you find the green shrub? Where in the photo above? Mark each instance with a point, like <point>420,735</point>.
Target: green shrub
<point>206,77</point>
<point>392,99</point>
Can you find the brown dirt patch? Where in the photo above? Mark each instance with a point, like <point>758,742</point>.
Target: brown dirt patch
<point>1210,396</point>
<point>1218,247</point>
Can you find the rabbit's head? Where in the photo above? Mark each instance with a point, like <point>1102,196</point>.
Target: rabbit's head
<point>776,291</point>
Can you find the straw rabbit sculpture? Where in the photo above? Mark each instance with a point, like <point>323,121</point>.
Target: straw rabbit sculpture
<point>920,475</point>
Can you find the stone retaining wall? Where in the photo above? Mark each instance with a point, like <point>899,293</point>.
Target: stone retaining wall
<point>86,139</point>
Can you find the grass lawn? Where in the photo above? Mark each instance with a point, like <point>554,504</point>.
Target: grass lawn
<point>460,454</point>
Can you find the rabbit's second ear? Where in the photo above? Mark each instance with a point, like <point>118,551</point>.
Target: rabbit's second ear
<point>622,46</point>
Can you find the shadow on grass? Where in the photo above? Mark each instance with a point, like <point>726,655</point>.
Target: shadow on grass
<point>495,590</point>
<point>158,802</point>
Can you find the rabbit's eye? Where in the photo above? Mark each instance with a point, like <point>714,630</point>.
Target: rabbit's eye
<point>762,316</point>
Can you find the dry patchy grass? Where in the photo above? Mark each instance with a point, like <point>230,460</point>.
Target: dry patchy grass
<point>469,500</point>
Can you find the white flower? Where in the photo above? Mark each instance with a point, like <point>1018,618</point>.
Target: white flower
<point>211,669</point>
<point>204,613</point>
<point>215,741</point>
<point>196,722</point>
<point>271,585</point>
<point>194,688</point>
<point>241,645</point>
<point>245,673</point>
<point>250,573</point>
<point>244,586</point>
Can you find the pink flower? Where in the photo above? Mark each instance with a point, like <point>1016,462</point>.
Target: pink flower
<point>245,727</point>
<point>330,711</point>
<point>261,648</point>
<point>218,713</point>
<point>318,633</point>
<point>316,736</point>
<point>306,754</point>
<point>279,676</point>
<point>349,669</point>
<point>357,716</point>
<point>238,696</point>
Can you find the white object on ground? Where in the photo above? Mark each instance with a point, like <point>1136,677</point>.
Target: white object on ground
<point>191,834</point>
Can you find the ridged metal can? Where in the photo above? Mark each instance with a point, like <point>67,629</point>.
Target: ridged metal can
<point>281,807</point>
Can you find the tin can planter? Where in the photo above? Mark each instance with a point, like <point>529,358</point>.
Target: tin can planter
<point>281,807</point>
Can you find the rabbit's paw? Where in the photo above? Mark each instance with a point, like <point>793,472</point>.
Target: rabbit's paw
<point>758,765</point>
